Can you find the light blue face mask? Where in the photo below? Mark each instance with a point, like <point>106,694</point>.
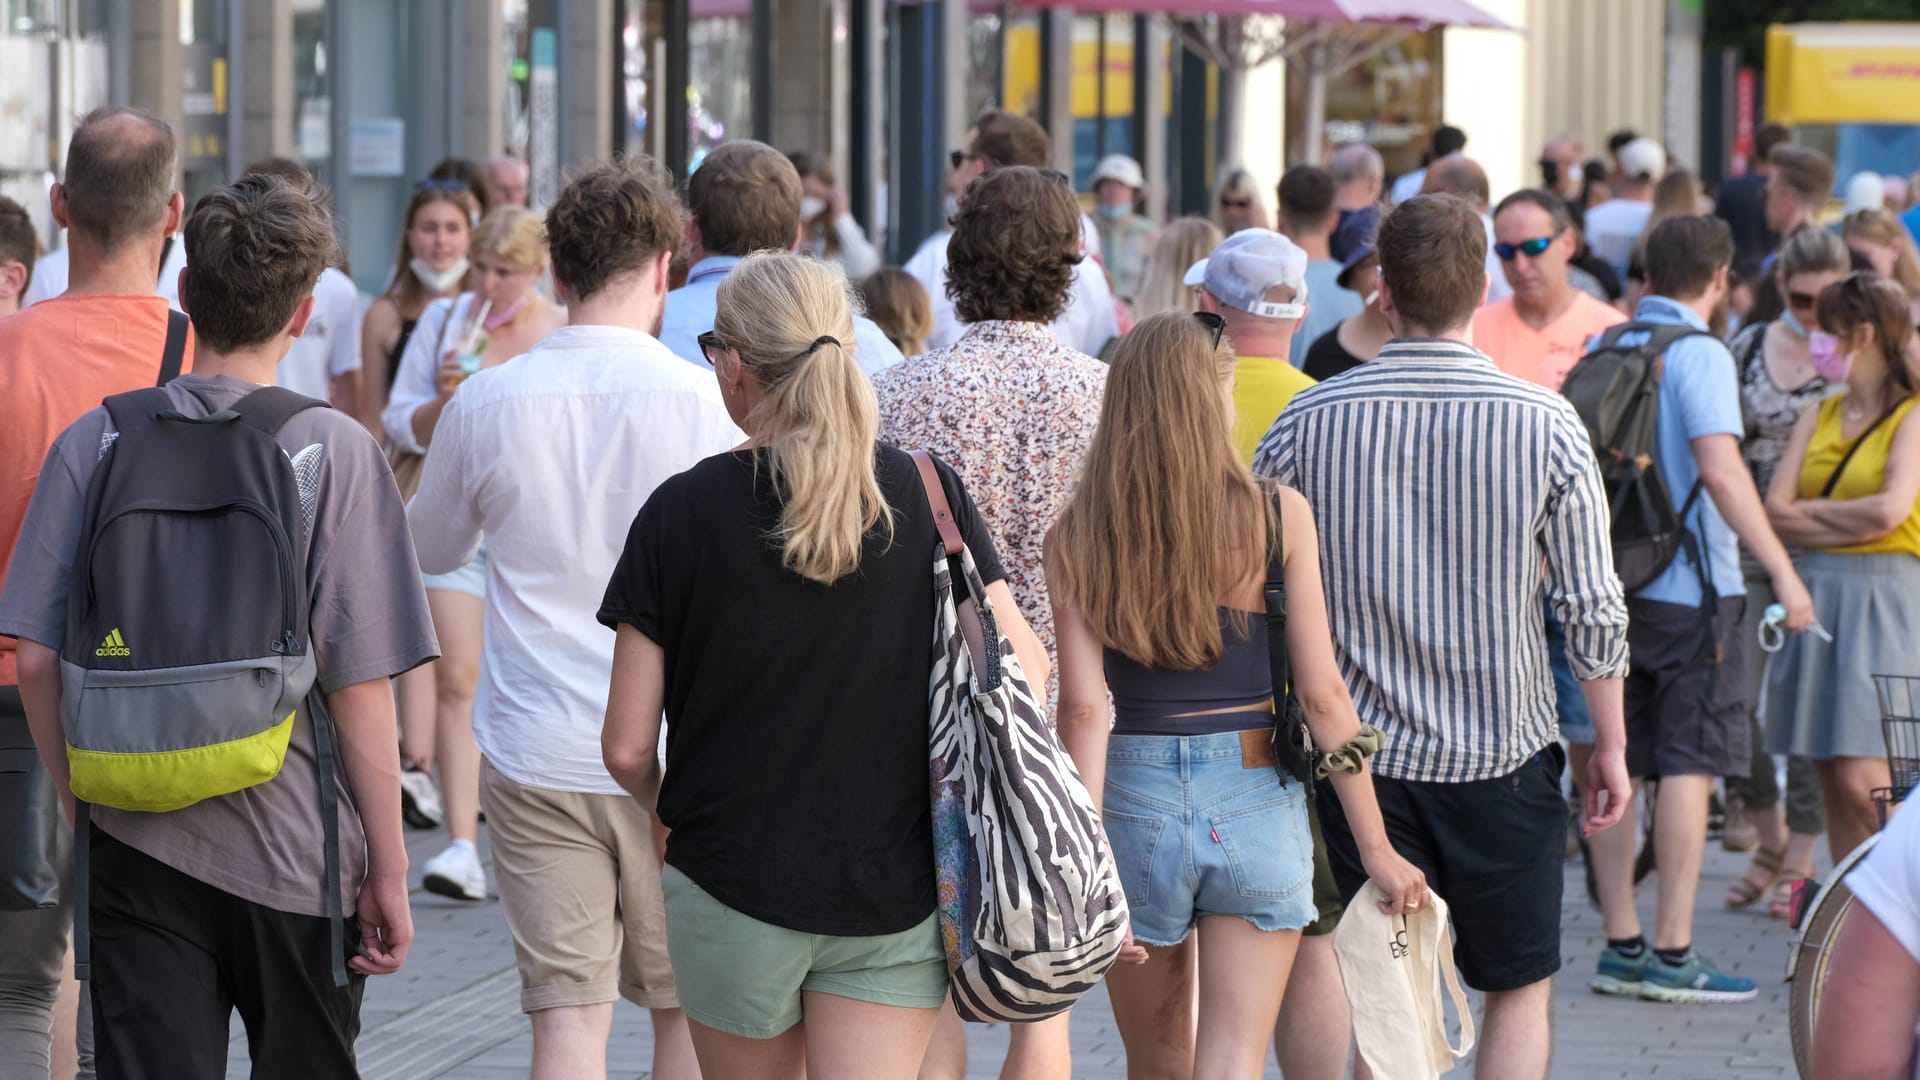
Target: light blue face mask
<point>1794,326</point>
<point>1114,213</point>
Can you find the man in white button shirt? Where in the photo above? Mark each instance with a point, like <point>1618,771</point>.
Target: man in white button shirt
<point>550,457</point>
<point>998,138</point>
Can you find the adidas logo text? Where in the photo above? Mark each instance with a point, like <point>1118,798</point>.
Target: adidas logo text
<point>114,645</point>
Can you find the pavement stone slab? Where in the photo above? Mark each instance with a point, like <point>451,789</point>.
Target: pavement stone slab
<point>454,1010</point>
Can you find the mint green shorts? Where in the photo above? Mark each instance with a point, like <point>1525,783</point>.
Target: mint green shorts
<point>745,977</point>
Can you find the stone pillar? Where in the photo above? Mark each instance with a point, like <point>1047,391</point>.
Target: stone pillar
<point>266,97</point>
<point>585,67</point>
<point>153,63</point>
<point>805,84</point>
<point>479,131</point>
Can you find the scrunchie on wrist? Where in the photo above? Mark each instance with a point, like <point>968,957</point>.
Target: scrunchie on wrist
<point>1352,757</point>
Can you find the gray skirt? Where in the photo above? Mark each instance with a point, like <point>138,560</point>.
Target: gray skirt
<point>1820,699</point>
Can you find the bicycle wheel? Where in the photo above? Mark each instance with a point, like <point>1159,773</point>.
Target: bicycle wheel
<point>1814,954</point>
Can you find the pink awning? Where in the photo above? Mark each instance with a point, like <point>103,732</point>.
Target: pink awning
<point>1413,13</point>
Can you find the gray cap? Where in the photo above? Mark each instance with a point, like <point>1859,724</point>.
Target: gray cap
<point>1246,265</point>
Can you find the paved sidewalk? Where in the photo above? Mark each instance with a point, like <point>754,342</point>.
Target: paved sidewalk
<point>453,1011</point>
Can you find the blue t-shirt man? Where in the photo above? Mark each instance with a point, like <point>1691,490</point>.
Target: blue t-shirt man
<point>1699,396</point>
<point>691,307</point>
<point>1328,305</point>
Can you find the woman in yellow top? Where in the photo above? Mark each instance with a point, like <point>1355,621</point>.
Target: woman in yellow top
<point>1846,491</point>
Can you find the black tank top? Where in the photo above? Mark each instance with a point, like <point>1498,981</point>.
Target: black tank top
<point>1152,701</point>
<point>399,349</point>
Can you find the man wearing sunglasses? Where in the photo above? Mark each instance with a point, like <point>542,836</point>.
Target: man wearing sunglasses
<point>1540,331</point>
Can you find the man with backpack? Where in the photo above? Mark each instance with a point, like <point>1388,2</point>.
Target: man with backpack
<point>212,588</point>
<point>106,334</point>
<point>1664,388</point>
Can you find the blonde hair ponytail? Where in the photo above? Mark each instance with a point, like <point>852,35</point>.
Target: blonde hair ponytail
<point>790,320</point>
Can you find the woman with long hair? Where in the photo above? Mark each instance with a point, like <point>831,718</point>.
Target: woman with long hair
<point>899,305</point>
<point>1880,238</point>
<point>827,230</point>
<point>429,263</point>
<point>503,316</point>
<point>1163,279</point>
<point>1778,383</point>
<point>1156,568</point>
<point>1238,203</point>
<point>799,879</point>
<point>1848,491</point>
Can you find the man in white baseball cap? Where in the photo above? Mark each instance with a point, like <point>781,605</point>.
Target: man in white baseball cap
<point>1256,282</point>
<point>1125,236</point>
<point>1615,226</point>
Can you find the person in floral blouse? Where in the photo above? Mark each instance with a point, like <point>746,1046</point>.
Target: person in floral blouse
<point>1013,411</point>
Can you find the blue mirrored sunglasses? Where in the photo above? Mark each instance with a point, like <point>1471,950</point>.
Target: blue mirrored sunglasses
<point>1530,248</point>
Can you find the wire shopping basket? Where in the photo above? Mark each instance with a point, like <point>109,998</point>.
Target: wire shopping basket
<point>1900,723</point>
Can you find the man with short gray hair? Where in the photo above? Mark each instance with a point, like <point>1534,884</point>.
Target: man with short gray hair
<point>105,334</point>
<point>1358,177</point>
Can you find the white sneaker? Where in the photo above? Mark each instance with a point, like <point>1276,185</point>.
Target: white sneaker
<point>456,872</point>
<point>420,798</point>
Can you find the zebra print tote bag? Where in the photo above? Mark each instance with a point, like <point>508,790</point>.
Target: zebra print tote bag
<point>1031,910</point>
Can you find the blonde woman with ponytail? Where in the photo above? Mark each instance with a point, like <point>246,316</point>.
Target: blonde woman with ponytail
<point>1156,570</point>
<point>776,602</point>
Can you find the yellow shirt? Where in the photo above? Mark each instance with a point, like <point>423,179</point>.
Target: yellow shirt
<point>1262,386</point>
<point>1866,474</point>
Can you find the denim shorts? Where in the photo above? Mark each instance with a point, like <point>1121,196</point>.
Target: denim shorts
<point>1576,723</point>
<point>470,579</point>
<point>1195,832</point>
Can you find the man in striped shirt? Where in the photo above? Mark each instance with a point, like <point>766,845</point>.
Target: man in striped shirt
<point>1443,487</point>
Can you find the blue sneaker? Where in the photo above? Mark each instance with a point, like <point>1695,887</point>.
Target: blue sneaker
<point>1619,974</point>
<point>1695,982</point>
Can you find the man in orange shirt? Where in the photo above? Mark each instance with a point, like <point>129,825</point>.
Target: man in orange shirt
<point>106,334</point>
<point>1540,331</point>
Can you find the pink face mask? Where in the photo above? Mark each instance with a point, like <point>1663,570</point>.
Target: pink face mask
<point>1824,350</point>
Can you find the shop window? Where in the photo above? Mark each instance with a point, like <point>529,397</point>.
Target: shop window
<point>1390,98</point>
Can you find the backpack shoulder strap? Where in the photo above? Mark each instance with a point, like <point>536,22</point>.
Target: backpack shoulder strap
<point>270,407</point>
<point>175,353</point>
<point>136,410</point>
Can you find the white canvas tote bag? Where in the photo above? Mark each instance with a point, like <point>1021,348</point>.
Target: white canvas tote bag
<point>1393,966</point>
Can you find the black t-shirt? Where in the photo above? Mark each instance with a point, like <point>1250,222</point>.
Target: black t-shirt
<point>796,779</point>
<point>1326,357</point>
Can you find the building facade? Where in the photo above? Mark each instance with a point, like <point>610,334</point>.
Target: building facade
<point>372,93</point>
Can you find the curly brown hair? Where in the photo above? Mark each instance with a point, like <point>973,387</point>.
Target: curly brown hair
<point>612,219</point>
<point>1015,243</point>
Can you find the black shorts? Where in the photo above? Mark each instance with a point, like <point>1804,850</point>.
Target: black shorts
<point>1686,695</point>
<point>1328,904</point>
<point>1494,850</point>
<point>174,958</point>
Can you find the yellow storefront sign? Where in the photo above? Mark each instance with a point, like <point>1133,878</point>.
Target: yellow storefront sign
<point>1844,73</point>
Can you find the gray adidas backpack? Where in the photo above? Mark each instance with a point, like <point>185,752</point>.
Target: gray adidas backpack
<point>186,655</point>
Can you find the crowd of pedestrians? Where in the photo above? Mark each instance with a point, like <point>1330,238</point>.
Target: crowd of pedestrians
<point>611,539</point>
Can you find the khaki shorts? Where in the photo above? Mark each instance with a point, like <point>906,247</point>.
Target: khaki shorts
<point>579,882</point>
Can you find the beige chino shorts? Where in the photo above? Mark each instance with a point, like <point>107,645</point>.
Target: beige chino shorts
<point>579,882</point>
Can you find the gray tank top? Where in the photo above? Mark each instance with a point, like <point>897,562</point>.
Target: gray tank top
<point>1156,701</point>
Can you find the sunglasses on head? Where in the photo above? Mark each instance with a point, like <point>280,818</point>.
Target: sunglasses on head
<point>1213,323</point>
<point>1532,249</point>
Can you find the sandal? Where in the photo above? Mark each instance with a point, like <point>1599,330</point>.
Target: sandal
<point>1745,891</point>
<point>1782,906</point>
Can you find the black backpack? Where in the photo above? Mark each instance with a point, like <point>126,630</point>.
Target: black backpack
<point>1616,390</point>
